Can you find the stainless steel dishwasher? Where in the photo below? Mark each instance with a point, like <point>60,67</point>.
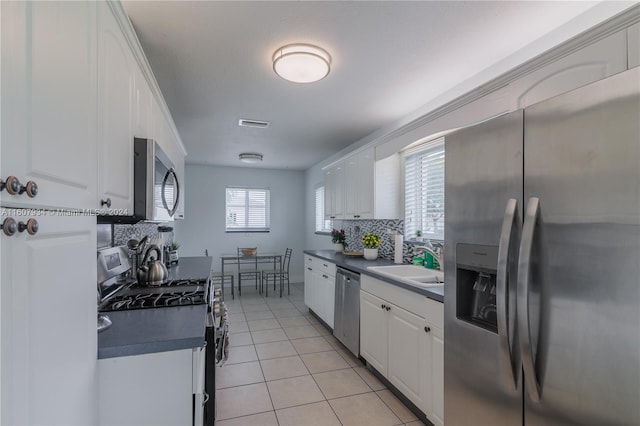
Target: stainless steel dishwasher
<point>346,320</point>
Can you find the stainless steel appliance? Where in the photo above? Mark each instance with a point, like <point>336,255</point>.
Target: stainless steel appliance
<point>542,300</point>
<point>122,293</point>
<point>346,320</point>
<point>156,189</point>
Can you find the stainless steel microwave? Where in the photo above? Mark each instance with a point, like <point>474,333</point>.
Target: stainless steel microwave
<point>156,189</point>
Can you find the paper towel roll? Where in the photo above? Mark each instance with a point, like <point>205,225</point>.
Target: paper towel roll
<point>397,250</point>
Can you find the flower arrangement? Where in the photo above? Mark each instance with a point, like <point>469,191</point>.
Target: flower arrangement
<point>337,237</point>
<point>371,240</point>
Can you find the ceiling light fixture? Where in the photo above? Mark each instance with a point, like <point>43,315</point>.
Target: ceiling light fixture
<point>250,157</point>
<point>301,63</point>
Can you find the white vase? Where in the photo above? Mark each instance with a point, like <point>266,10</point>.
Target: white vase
<point>338,247</point>
<point>371,253</point>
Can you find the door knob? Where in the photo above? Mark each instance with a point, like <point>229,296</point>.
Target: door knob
<point>12,185</point>
<point>31,188</point>
<point>31,226</point>
<point>106,202</point>
<point>427,329</point>
<point>9,226</point>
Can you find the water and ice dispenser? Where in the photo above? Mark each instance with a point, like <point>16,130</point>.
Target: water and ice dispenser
<point>476,285</point>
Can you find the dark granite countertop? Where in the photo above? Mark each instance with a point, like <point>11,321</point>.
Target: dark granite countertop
<point>194,268</point>
<point>360,264</point>
<point>142,331</point>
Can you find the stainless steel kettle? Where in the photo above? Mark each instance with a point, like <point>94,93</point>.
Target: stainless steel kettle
<point>152,271</point>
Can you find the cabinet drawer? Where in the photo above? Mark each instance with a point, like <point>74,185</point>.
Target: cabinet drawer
<point>325,267</point>
<point>434,313</point>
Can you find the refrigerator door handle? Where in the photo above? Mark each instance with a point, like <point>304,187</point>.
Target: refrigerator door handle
<point>502,283</point>
<point>524,268</point>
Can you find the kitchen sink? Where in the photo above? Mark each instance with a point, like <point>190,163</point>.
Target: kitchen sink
<point>411,274</point>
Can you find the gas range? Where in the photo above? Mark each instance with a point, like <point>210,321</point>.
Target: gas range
<point>131,295</point>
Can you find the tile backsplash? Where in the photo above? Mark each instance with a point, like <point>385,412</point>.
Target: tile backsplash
<point>355,229</point>
<point>123,233</point>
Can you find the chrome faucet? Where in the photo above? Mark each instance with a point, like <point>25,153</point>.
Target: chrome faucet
<point>437,254</point>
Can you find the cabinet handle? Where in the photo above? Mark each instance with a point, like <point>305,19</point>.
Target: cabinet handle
<point>9,226</point>
<point>427,329</point>
<point>31,188</point>
<point>382,306</point>
<point>106,202</point>
<point>388,308</point>
<point>31,226</point>
<point>12,185</point>
<point>325,276</point>
<point>310,269</point>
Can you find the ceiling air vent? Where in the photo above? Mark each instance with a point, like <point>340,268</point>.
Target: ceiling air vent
<point>243,122</point>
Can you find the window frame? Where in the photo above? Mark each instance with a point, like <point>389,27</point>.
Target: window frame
<point>326,222</point>
<point>434,144</point>
<point>247,209</point>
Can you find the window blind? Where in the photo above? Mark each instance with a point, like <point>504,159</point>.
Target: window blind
<point>424,190</point>
<point>322,224</point>
<point>247,209</point>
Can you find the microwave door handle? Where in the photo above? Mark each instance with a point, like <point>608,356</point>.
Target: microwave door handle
<point>173,209</point>
<point>524,276</point>
<point>507,355</point>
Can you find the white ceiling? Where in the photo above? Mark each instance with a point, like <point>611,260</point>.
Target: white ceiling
<point>212,61</point>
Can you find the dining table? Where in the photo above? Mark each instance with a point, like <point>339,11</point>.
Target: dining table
<point>260,257</point>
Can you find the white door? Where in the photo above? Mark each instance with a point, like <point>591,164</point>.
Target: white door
<point>373,331</point>
<point>116,71</point>
<point>49,102</point>
<point>49,323</point>
<point>406,357</point>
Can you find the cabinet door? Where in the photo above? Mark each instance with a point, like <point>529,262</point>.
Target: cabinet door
<point>434,376</point>
<point>406,352</point>
<point>373,331</point>
<point>633,45</point>
<point>116,71</point>
<point>351,187</point>
<point>49,338</point>
<point>308,283</point>
<point>133,382</point>
<point>325,297</point>
<point>143,104</point>
<point>49,102</point>
<point>334,192</point>
<point>365,184</point>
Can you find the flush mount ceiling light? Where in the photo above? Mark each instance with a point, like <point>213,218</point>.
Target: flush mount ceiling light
<point>250,157</point>
<point>301,63</point>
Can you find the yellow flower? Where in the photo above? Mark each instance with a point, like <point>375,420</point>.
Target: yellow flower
<point>371,240</point>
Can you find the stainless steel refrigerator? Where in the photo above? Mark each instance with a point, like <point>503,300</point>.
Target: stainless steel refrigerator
<point>542,262</point>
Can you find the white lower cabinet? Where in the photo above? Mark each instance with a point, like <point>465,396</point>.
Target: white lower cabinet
<point>49,322</point>
<point>404,345</point>
<point>150,389</point>
<point>320,287</point>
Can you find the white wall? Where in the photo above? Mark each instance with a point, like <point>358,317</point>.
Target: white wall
<point>204,223</point>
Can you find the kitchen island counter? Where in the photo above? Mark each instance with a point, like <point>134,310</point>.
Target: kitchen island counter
<point>360,265</point>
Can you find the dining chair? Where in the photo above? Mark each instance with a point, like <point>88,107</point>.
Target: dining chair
<point>248,267</point>
<point>217,277</point>
<point>281,274</point>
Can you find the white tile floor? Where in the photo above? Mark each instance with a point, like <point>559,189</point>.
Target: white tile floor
<point>285,368</point>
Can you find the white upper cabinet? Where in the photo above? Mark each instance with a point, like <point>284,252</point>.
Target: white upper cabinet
<point>143,105</point>
<point>116,107</point>
<point>48,102</point>
<point>359,187</point>
<point>591,63</point>
<point>633,46</point>
<point>334,191</point>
